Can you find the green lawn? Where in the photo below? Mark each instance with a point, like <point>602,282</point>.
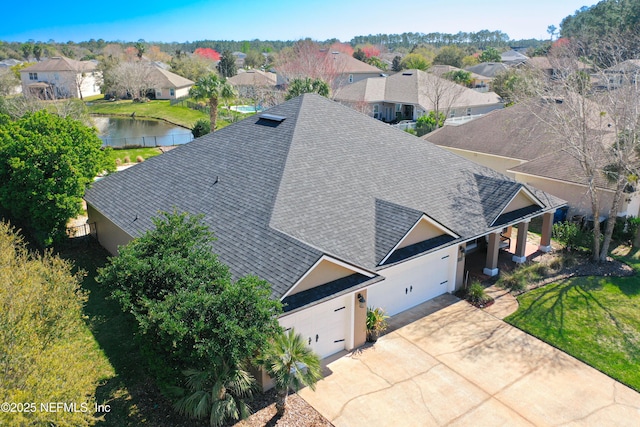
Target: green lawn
<point>133,153</point>
<point>595,319</point>
<point>181,116</point>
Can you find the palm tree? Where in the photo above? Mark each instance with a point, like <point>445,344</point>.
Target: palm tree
<point>299,86</point>
<point>212,88</point>
<point>291,364</point>
<point>218,394</point>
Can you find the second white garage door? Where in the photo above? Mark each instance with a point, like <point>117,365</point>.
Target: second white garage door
<point>413,282</point>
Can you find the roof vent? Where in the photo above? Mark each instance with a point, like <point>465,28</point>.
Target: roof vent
<point>407,74</point>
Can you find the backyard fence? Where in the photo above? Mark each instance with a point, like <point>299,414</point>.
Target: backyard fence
<point>148,141</point>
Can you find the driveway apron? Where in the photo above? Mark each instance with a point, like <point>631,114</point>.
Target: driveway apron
<point>461,366</point>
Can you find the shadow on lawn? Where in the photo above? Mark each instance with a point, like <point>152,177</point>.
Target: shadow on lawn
<point>132,395</point>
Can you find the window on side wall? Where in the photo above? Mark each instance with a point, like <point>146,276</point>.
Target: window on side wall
<point>33,76</point>
<point>350,78</point>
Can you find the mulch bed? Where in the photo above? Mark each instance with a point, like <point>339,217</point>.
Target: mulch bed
<point>298,413</point>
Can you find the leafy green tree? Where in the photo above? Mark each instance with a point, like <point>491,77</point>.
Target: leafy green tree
<point>360,55</point>
<point>490,54</point>
<point>377,62</point>
<point>612,23</point>
<point>27,50</point>
<point>299,86</point>
<point>140,49</point>
<point>254,59</point>
<point>190,67</point>
<point>217,394</point>
<point>396,64</point>
<point>414,61</point>
<point>470,61</point>
<point>459,76</point>
<point>450,55</point>
<point>428,123</point>
<point>201,128</point>
<point>46,351</point>
<point>227,65</point>
<point>46,162</point>
<point>212,88</point>
<point>184,300</point>
<point>513,85</point>
<point>291,364</point>
<point>37,51</point>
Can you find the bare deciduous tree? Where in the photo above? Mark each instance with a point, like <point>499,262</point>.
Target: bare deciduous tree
<point>132,78</point>
<point>597,125</point>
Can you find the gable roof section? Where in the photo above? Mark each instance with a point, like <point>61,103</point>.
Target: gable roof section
<point>414,87</point>
<point>165,78</point>
<point>348,64</point>
<point>60,63</point>
<point>326,181</point>
<point>515,133</point>
<point>253,78</point>
<point>424,234</point>
<point>523,201</point>
<point>488,69</point>
<point>511,132</point>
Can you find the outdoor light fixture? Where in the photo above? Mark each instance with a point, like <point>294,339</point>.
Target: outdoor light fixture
<point>361,301</point>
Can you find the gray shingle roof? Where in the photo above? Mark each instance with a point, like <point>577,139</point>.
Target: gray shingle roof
<point>415,87</point>
<point>488,69</point>
<point>519,133</point>
<point>60,63</point>
<point>326,180</point>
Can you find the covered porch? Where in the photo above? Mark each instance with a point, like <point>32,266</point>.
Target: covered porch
<point>502,250</point>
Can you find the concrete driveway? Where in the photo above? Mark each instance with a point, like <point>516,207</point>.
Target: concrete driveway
<point>461,366</point>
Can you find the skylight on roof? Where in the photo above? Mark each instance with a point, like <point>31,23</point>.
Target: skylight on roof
<point>272,117</point>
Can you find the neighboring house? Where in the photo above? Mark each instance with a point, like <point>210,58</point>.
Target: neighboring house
<point>409,94</point>
<point>488,69</point>
<point>254,84</point>
<point>627,72</point>
<point>478,82</point>
<point>512,141</point>
<point>7,77</point>
<point>341,68</point>
<point>9,62</point>
<point>337,211</point>
<point>60,77</point>
<point>512,57</point>
<point>552,68</point>
<point>253,78</point>
<point>168,85</point>
<point>240,57</point>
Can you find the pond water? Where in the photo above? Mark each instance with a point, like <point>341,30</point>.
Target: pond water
<point>124,132</point>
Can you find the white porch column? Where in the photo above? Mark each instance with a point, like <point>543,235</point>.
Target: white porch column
<point>491,267</point>
<point>547,228</point>
<point>521,244</point>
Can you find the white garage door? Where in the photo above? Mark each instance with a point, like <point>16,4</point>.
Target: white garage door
<point>411,283</point>
<point>325,327</point>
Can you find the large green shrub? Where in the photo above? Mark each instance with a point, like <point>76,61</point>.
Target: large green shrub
<point>46,162</point>
<point>572,235</point>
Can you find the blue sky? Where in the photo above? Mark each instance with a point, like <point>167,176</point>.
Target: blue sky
<point>275,20</point>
